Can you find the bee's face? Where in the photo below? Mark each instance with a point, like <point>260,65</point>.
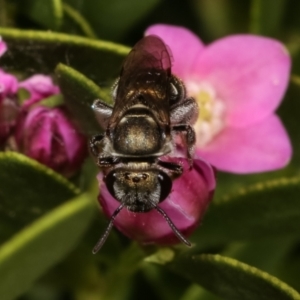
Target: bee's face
<point>140,188</point>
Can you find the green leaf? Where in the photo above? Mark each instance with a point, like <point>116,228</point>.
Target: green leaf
<point>32,52</point>
<point>288,113</point>
<point>79,20</point>
<point>79,94</point>
<point>196,292</point>
<point>164,283</point>
<point>28,190</point>
<point>290,266</point>
<point>231,279</point>
<point>162,256</point>
<point>31,252</point>
<point>112,19</point>
<point>221,17</point>
<point>266,16</point>
<point>270,208</point>
<point>48,13</point>
<point>52,101</point>
<point>266,254</point>
<point>6,12</point>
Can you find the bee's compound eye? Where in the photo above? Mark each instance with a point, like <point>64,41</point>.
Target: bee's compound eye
<point>166,185</point>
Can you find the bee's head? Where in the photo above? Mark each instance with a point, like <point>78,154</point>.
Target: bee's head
<point>140,189</point>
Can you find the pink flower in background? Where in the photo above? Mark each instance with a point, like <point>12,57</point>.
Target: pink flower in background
<point>186,204</point>
<point>238,82</point>
<point>45,134</point>
<point>39,87</point>
<point>49,136</point>
<point>9,108</point>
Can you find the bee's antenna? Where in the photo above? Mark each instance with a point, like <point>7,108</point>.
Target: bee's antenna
<point>103,238</point>
<point>172,225</point>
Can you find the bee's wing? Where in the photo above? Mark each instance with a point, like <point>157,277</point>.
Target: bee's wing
<point>145,77</point>
<point>149,53</point>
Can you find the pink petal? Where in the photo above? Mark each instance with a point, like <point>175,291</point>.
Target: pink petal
<point>74,142</point>
<point>39,141</point>
<point>249,73</point>
<point>185,46</point>
<point>50,137</point>
<point>8,84</point>
<point>34,132</point>
<point>3,47</point>
<point>39,87</point>
<point>264,146</point>
<point>191,193</point>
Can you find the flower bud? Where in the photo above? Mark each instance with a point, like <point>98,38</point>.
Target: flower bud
<point>39,87</point>
<point>49,136</point>
<point>185,206</point>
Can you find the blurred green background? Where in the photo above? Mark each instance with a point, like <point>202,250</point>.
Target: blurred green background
<point>254,219</point>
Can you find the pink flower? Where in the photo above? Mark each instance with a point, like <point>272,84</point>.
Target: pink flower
<point>39,87</point>
<point>238,82</point>
<point>185,206</point>
<point>49,136</point>
<point>9,108</point>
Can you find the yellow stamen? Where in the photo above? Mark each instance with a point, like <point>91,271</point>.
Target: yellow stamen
<point>211,113</point>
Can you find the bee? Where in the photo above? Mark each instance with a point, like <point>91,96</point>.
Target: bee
<point>150,111</point>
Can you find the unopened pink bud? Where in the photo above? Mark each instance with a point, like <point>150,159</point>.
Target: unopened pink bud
<point>49,136</point>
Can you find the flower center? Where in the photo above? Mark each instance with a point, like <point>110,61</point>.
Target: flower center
<point>211,119</point>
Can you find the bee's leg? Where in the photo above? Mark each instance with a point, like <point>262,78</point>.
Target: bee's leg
<point>103,160</point>
<point>174,170</point>
<point>102,111</point>
<point>190,138</point>
<point>184,112</point>
<point>107,161</point>
<point>95,143</point>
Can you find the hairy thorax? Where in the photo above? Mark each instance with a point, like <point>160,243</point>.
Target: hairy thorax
<point>138,134</point>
